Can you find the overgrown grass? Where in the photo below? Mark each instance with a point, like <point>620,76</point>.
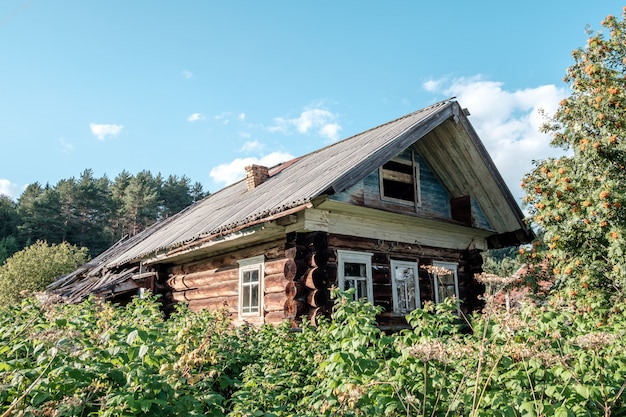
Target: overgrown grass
<point>97,359</point>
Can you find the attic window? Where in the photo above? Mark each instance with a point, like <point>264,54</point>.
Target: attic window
<point>399,181</point>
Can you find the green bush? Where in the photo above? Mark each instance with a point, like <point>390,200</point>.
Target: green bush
<point>33,268</point>
<point>562,359</point>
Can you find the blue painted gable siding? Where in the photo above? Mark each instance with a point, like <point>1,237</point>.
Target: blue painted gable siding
<point>435,198</point>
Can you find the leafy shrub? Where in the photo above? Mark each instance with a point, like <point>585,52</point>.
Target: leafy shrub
<point>33,268</point>
<point>562,358</point>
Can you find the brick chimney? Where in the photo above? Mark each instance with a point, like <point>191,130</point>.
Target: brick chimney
<point>256,175</point>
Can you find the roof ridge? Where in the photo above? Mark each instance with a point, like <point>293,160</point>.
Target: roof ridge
<point>279,167</point>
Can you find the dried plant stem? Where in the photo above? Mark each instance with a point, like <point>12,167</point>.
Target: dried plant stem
<point>15,402</point>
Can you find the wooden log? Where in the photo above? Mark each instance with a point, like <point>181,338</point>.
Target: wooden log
<point>295,289</point>
<point>272,250</point>
<point>294,269</point>
<point>316,313</point>
<point>399,250</point>
<point>290,289</point>
<point>275,267</point>
<point>321,278</point>
<point>177,270</point>
<point>302,251</point>
<point>230,303</point>
<point>309,280</point>
<point>275,283</point>
<point>290,269</point>
<point>318,298</point>
<point>319,259</point>
<point>202,278</point>
<point>295,308</point>
<point>318,240</point>
<point>274,302</point>
<point>291,252</point>
<point>275,317</point>
<point>215,290</point>
<point>331,274</point>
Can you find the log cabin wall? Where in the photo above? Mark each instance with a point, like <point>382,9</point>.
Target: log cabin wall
<point>311,270</point>
<point>469,263</point>
<point>213,282</point>
<point>300,271</point>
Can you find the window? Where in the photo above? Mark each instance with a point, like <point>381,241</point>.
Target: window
<point>251,286</point>
<point>405,286</point>
<point>399,180</point>
<point>355,271</point>
<point>446,280</point>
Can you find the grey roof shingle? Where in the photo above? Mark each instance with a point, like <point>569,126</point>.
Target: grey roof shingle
<point>292,184</point>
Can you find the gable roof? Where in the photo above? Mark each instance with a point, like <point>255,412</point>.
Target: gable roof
<point>293,186</point>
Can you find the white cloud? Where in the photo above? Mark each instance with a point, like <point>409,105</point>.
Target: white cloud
<point>252,146</point>
<point>187,74</point>
<point>507,122</point>
<point>331,131</point>
<point>319,120</point>
<point>101,131</point>
<point>8,188</point>
<point>229,173</point>
<point>432,85</point>
<point>242,116</point>
<point>66,146</point>
<point>225,117</point>
<point>195,117</point>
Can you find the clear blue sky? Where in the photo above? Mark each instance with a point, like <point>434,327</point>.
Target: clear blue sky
<point>202,88</point>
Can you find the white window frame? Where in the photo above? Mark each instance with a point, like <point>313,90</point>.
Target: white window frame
<point>394,284</point>
<point>452,266</point>
<point>347,256</point>
<point>256,263</point>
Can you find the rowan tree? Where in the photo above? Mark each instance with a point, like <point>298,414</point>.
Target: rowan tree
<point>579,200</point>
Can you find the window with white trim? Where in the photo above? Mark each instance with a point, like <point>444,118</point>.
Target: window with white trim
<point>251,286</point>
<point>399,181</point>
<point>446,280</point>
<point>405,286</point>
<point>355,271</point>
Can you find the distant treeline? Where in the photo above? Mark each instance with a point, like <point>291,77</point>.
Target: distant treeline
<point>92,212</point>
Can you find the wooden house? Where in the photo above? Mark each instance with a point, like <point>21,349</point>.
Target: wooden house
<point>400,213</point>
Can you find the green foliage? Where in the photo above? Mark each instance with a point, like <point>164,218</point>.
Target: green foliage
<point>579,200</point>
<point>104,360</point>
<point>33,268</point>
<point>502,262</point>
<point>8,246</point>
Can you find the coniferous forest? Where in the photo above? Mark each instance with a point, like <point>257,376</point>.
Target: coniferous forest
<point>92,212</point>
